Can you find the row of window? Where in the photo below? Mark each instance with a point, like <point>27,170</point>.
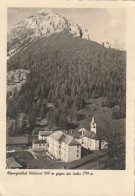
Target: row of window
<point>39,144</point>
<point>87,141</point>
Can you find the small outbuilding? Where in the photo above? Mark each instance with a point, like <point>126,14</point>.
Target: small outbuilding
<point>39,145</point>
<point>42,135</point>
<point>13,164</point>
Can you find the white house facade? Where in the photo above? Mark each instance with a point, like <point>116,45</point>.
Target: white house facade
<point>70,149</point>
<point>42,135</point>
<point>39,145</point>
<point>64,147</point>
<point>104,145</point>
<point>89,139</point>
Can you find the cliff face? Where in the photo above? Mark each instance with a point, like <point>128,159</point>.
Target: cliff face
<point>42,24</point>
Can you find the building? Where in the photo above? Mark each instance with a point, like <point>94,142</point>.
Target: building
<point>11,163</point>
<point>36,131</point>
<point>64,147</point>
<point>54,141</point>
<point>93,125</point>
<point>90,140</point>
<point>16,142</point>
<point>40,145</point>
<point>103,144</point>
<point>20,140</point>
<point>42,135</point>
<point>70,149</point>
<point>75,134</point>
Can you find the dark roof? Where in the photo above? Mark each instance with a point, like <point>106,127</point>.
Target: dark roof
<point>37,129</point>
<point>45,133</point>
<point>89,134</point>
<point>12,163</point>
<point>40,142</point>
<point>75,134</point>
<point>17,140</point>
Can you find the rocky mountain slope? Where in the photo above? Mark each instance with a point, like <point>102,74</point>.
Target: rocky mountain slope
<point>41,25</point>
<point>15,79</point>
<point>64,67</point>
<point>61,77</point>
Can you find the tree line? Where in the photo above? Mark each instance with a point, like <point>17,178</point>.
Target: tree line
<point>68,77</point>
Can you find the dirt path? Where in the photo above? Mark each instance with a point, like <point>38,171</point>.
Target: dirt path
<point>33,153</point>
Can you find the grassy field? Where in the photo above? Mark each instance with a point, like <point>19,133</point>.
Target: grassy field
<point>89,161</point>
<point>105,124</point>
<point>42,162</point>
<point>105,127</point>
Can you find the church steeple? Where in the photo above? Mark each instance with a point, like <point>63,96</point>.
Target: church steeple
<point>93,125</point>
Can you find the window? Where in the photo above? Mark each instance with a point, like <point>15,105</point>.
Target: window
<point>39,144</point>
<point>77,151</point>
<point>77,155</point>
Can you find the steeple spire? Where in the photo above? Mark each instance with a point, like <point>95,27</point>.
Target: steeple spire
<point>93,125</point>
<point>93,120</point>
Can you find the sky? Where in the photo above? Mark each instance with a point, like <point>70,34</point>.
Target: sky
<point>102,24</point>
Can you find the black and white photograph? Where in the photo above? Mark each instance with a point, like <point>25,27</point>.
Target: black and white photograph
<point>66,88</point>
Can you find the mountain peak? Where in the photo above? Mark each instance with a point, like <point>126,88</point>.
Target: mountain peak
<point>42,24</point>
<point>45,11</point>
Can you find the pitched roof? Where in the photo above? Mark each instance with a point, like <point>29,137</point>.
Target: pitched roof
<point>40,142</point>
<point>17,140</point>
<point>62,137</point>
<point>57,135</point>
<point>69,140</point>
<point>93,120</point>
<point>82,129</point>
<point>45,133</point>
<point>37,129</point>
<point>89,134</point>
<point>12,163</point>
<point>75,134</point>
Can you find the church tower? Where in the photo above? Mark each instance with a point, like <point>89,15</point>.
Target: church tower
<point>93,125</point>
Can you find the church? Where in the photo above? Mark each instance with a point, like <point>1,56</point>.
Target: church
<point>89,138</point>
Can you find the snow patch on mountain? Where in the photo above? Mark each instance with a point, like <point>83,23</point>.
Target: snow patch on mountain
<point>44,23</point>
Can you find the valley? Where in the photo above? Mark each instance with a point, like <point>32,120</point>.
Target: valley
<point>58,79</point>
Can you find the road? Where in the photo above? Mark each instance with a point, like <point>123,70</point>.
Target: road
<point>33,153</point>
<point>89,162</point>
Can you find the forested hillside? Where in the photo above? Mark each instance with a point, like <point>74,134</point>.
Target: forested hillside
<point>67,71</point>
